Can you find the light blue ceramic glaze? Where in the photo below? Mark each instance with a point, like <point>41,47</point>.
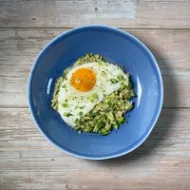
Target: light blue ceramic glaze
<point>119,47</point>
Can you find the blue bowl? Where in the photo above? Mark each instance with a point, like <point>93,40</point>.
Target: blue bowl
<point>119,47</point>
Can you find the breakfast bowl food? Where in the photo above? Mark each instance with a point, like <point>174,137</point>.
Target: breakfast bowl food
<point>96,92</point>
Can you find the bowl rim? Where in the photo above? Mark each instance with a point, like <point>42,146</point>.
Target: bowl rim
<point>124,33</point>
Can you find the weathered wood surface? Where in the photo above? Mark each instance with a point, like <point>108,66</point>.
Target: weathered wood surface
<point>28,161</point>
<point>120,13</point>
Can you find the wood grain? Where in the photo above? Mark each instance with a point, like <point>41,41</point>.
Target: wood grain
<point>28,161</point>
<point>19,48</point>
<point>71,13</point>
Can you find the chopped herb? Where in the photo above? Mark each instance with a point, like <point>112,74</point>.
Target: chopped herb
<point>103,73</point>
<point>103,132</point>
<point>81,113</point>
<point>123,86</point>
<point>114,81</point>
<point>93,97</point>
<point>65,105</point>
<point>82,107</point>
<point>64,86</point>
<point>67,114</point>
<point>110,116</point>
<point>121,120</point>
<point>115,126</point>
<point>120,77</point>
<point>64,77</point>
<point>66,71</point>
<point>108,127</point>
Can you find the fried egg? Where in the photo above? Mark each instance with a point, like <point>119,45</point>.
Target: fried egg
<point>87,85</point>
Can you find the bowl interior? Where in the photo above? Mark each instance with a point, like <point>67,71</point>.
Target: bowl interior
<point>119,47</point>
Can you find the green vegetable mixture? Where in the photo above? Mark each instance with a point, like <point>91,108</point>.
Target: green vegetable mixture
<point>108,114</point>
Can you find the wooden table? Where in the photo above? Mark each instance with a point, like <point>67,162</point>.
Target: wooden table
<point>28,161</point>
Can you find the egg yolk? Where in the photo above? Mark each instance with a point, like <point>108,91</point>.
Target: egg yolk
<point>83,79</point>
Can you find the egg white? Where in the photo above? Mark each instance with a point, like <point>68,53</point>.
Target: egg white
<point>78,101</point>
